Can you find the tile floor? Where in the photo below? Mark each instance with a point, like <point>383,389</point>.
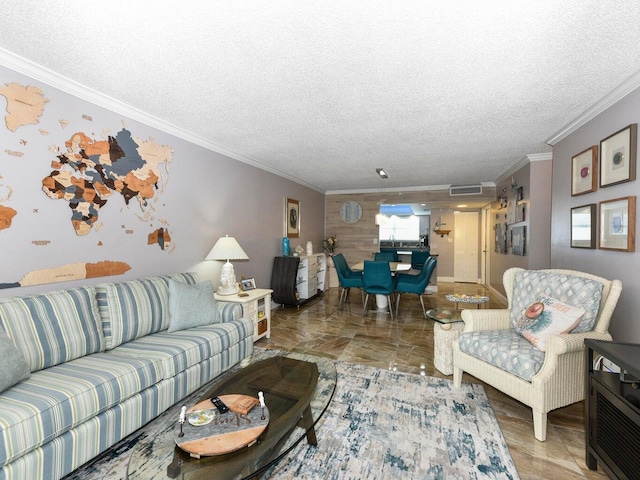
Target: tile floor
<point>406,344</point>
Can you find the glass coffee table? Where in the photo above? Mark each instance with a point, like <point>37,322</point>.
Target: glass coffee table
<point>297,391</point>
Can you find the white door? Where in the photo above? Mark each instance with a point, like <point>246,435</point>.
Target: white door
<point>465,247</point>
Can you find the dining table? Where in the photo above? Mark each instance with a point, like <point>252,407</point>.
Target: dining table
<point>382,303</point>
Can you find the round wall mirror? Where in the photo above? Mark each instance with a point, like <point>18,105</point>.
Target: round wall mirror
<point>350,212</point>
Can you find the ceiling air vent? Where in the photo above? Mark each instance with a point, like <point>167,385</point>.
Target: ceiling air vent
<point>456,190</point>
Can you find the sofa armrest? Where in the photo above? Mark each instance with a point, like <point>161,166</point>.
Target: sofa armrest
<point>229,311</point>
<point>489,319</point>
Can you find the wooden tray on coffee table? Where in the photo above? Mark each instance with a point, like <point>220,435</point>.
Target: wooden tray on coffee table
<point>226,433</point>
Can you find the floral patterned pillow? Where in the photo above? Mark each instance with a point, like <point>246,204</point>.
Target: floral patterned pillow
<point>570,289</point>
<point>546,317</point>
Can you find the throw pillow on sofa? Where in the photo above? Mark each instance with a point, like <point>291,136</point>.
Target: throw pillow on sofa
<point>546,317</point>
<point>14,367</point>
<point>191,305</point>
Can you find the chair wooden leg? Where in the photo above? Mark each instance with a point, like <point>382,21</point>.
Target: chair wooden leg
<point>539,425</point>
<point>366,301</point>
<point>424,312</point>
<point>342,299</point>
<point>390,302</point>
<point>397,303</point>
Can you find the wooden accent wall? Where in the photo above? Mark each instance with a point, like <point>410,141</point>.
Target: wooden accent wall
<point>356,241</point>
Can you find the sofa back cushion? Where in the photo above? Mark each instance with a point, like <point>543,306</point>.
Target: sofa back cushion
<point>53,328</point>
<point>570,289</point>
<point>136,308</point>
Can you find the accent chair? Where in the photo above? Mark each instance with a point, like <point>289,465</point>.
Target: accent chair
<point>527,356</point>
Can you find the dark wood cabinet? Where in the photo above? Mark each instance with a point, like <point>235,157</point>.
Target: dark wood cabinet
<point>295,280</point>
<point>283,280</point>
<point>612,409</point>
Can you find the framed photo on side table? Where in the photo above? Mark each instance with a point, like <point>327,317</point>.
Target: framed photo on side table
<point>583,226</point>
<point>248,284</point>
<point>584,171</point>
<point>292,218</point>
<point>618,157</point>
<point>618,224</point>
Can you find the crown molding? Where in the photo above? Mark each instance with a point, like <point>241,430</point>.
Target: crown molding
<point>621,91</point>
<point>532,157</point>
<point>67,85</point>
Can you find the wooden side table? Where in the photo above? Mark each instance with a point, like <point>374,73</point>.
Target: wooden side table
<point>256,306</point>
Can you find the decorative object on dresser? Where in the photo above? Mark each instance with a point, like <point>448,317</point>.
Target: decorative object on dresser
<point>227,248</point>
<point>256,305</point>
<point>612,408</point>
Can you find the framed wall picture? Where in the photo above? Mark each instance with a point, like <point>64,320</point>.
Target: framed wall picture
<point>584,171</point>
<point>519,240</point>
<point>583,226</point>
<point>292,218</point>
<point>521,212</point>
<point>618,157</point>
<point>500,230</point>
<point>618,224</point>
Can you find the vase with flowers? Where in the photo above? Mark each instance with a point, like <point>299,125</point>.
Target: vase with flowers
<point>330,244</point>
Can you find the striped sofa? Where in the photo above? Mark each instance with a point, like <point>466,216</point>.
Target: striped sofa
<point>102,364</point>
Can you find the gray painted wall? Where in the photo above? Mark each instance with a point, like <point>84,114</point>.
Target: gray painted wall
<point>625,325</point>
<point>207,196</point>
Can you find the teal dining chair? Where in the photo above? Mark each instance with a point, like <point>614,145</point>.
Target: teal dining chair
<point>387,255</point>
<point>377,280</point>
<point>418,257</point>
<point>416,284</point>
<point>348,278</point>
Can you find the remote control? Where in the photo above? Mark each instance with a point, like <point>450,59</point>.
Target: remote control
<point>222,408</point>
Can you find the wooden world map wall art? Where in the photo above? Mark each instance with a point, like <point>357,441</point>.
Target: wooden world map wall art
<point>86,170</point>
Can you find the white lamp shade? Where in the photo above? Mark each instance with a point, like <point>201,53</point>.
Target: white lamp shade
<point>227,248</point>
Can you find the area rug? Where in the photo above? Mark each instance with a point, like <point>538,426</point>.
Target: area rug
<point>379,425</point>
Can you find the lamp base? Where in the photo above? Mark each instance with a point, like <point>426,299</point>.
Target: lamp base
<point>227,290</point>
<point>228,284</point>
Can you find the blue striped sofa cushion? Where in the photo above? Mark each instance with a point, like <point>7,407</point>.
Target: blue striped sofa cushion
<point>55,400</point>
<point>505,349</point>
<point>55,327</point>
<point>67,452</point>
<point>64,454</point>
<point>178,351</point>
<point>136,308</point>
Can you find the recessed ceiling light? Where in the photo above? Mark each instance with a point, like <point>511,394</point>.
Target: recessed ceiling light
<point>460,206</point>
<point>382,173</point>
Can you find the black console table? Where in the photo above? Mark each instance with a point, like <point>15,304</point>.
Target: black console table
<point>612,409</point>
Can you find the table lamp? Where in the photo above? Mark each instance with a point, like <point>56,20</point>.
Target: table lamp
<point>227,248</point>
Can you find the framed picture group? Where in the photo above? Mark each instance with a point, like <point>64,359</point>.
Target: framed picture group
<point>610,224</point>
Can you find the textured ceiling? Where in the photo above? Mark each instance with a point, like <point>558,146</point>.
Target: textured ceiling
<point>325,92</point>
